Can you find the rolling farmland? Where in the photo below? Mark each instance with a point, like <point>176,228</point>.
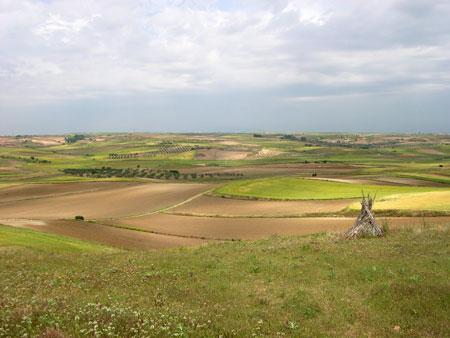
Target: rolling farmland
<point>195,207</point>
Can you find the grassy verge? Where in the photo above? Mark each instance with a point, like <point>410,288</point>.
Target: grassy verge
<point>13,238</point>
<point>315,286</point>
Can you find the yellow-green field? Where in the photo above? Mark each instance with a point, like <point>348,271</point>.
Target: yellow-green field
<point>429,201</point>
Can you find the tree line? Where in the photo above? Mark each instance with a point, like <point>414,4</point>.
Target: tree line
<point>166,174</point>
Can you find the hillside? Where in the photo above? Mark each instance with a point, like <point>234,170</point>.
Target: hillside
<point>316,286</point>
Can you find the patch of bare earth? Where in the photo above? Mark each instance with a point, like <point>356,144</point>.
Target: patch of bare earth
<point>216,206</point>
<point>218,154</point>
<point>48,141</point>
<point>257,228</point>
<point>410,182</point>
<point>265,153</point>
<point>121,238</point>
<point>353,180</point>
<point>302,169</point>
<point>31,191</point>
<point>430,151</point>
<point>116,200</point>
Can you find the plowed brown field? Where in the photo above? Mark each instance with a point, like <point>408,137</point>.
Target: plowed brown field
<point>31,191</point>
<point>139,206</point>
<point>217,206</point>
<point>121,238</point>
<point>95,200</point>
<point>256,228</point>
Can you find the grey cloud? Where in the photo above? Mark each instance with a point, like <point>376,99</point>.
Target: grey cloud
<point>285,53</point>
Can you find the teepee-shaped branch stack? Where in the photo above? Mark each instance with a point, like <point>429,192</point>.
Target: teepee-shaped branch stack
<point>365,225</point>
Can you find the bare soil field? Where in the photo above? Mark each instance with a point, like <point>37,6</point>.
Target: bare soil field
<point>48,140</point>
<point>217,154</point>
<point>32,191</point>
<point>430,151</point>
<point>8,141</point>
<point>265,153</point>
<point>256,228</point>
<point>410,181</point>
<point>116,200</point>
<point>217,206</point>
<point>280,169</point>
<point>121,238</point>
<point>354,180</point>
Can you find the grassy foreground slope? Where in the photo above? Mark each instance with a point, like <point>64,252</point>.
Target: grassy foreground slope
<point>317,286</point>
<point>295,188</point>
<point>12,238</point>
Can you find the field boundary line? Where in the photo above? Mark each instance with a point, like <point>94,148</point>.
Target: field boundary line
<point>130,228</point>
<point>163,210</point>
<point>52,195</point>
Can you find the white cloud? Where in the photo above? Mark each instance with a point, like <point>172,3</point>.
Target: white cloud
<point>68,49</point>
<point>55,23</point>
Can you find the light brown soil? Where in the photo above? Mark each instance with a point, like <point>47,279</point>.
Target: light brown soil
<point>30,191</point>
<point>265,153</point>
<point>121,238</point>
<point>410,181</point>
<point>210,205</point>
<point>116,200</point>
<point>217,154</point>
<point>353,180</point>
<point>256,228</point>
<point>48,141</point>
<point>325,170</point>
<point>430,151</point>
<point>8,141</point>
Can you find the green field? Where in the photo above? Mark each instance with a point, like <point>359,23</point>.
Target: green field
<point>295,188</point>
<point>11,238</point>
<point>317,286</point>
<point>426,157</point>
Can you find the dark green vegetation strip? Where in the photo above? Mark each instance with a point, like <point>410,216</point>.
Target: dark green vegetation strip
<point>315,286</point>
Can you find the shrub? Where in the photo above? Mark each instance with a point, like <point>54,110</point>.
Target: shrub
<point>74,138</point>
<point>79,218</point>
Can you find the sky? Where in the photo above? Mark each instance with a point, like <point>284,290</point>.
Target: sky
<point>224,66</point>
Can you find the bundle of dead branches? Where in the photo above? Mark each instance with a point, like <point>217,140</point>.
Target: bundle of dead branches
<point>365,225</point>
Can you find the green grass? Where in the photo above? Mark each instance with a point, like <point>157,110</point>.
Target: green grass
<point>23,238</point>
<point>396,159</point>
<point>317,286</point>
<point>294,188</point>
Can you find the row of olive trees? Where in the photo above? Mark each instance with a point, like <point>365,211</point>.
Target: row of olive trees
<point>30,159</point>
<point>107,172</point>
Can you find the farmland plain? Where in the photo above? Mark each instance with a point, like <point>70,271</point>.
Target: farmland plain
<point>198,235</point>
<point>201,179</point>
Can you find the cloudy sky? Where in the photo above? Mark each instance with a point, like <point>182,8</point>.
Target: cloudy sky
<point>219,65</point>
